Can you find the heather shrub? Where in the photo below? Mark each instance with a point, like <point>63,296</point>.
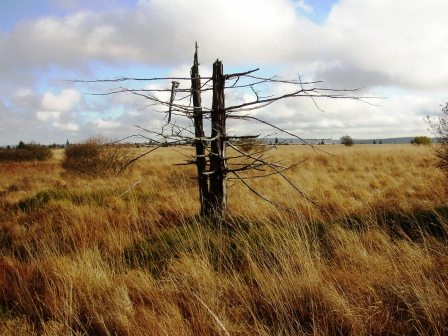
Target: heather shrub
<point>25,152</point>
<point>439,127</point>
<point>347,140</point>
<point>249,145</point>
<point>421,140</point>
<point>95,157</point>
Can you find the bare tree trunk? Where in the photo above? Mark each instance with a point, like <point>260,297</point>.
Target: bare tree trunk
<point>201,162</point>
<point>218,170</point>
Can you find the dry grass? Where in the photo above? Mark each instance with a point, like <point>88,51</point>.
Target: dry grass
<point>80,256</point>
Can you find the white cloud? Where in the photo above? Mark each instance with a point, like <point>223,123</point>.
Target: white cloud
<point>70,126</point>
<point>48,115</point>
<point>58,110</point>
<point>63,102</point>
<point>305,6</point>
<point>106,124</point>
<point>401,39</point>
<point>23,92</point>
<point>363,43</point>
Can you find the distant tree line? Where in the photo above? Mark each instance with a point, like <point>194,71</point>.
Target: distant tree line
<point>25,152</point>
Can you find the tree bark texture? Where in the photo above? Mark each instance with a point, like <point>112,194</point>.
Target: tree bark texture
<point>201,162</point>
<point>218,195</point>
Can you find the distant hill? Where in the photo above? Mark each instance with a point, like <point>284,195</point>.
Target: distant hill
<point>294,141</point>
<point>404,140</point>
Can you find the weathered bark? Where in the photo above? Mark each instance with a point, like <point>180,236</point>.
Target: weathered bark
<point>201,162</point>
<point>218,170</point>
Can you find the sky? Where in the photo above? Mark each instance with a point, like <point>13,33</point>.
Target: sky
<point>393,50</point>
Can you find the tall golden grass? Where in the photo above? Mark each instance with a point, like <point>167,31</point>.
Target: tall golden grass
<point>129,256</point>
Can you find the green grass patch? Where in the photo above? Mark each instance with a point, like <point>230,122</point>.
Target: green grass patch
<point>40,199</point>
<point>411,225</point>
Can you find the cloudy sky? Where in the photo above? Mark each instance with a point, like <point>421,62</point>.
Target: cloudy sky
<point>392,49</point>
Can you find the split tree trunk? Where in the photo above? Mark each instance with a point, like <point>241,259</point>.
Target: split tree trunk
<point>201,162</point>
<point>218,171</point>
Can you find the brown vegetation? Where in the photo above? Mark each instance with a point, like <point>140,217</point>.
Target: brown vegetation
<point>128,256</point>
<point>95,157</point>
<point>25,152</point>
<point>439,127</point>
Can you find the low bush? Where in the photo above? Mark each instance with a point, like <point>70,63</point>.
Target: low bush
<point>439,127</point>
<point>95,157</point>
<point>347,140</point>
<point>421,140</point>
<point>249,145</point>
<point>25,152</point>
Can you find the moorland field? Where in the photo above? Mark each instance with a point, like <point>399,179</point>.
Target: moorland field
<point>128,255</point>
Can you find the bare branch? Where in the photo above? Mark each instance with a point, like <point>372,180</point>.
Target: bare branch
<point>274,79</point>
<point>299,93</point>
<point>136,158</point>
<point>272,173</point>
<point>264,198</point>
<point>126,79</point>
<point>281,130</point>
<point>259,159</point>
<point>240,74</point>
<point>175,85</point>
<point>210,152</point>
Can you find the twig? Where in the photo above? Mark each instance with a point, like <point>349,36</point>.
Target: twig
<point>212,314</point>
<point>132,187</point>
<point>136,158</point>
<point>260,195</point>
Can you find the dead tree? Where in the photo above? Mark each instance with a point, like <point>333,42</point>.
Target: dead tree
<point>200,160</point>
<point>218,170</point>
<point>211,159</point>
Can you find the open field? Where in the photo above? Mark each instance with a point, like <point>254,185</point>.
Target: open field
<point>98,257</point>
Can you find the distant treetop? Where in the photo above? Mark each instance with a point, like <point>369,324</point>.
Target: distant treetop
<point>421,140</point>
<point>347,140</point>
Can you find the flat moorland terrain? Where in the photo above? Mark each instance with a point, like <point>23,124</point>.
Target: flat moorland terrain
<point>128,255</point>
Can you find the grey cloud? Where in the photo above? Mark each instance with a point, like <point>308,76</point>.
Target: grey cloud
<point>347,76</point>
<point>163,32</point>
<point>354,48</point>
